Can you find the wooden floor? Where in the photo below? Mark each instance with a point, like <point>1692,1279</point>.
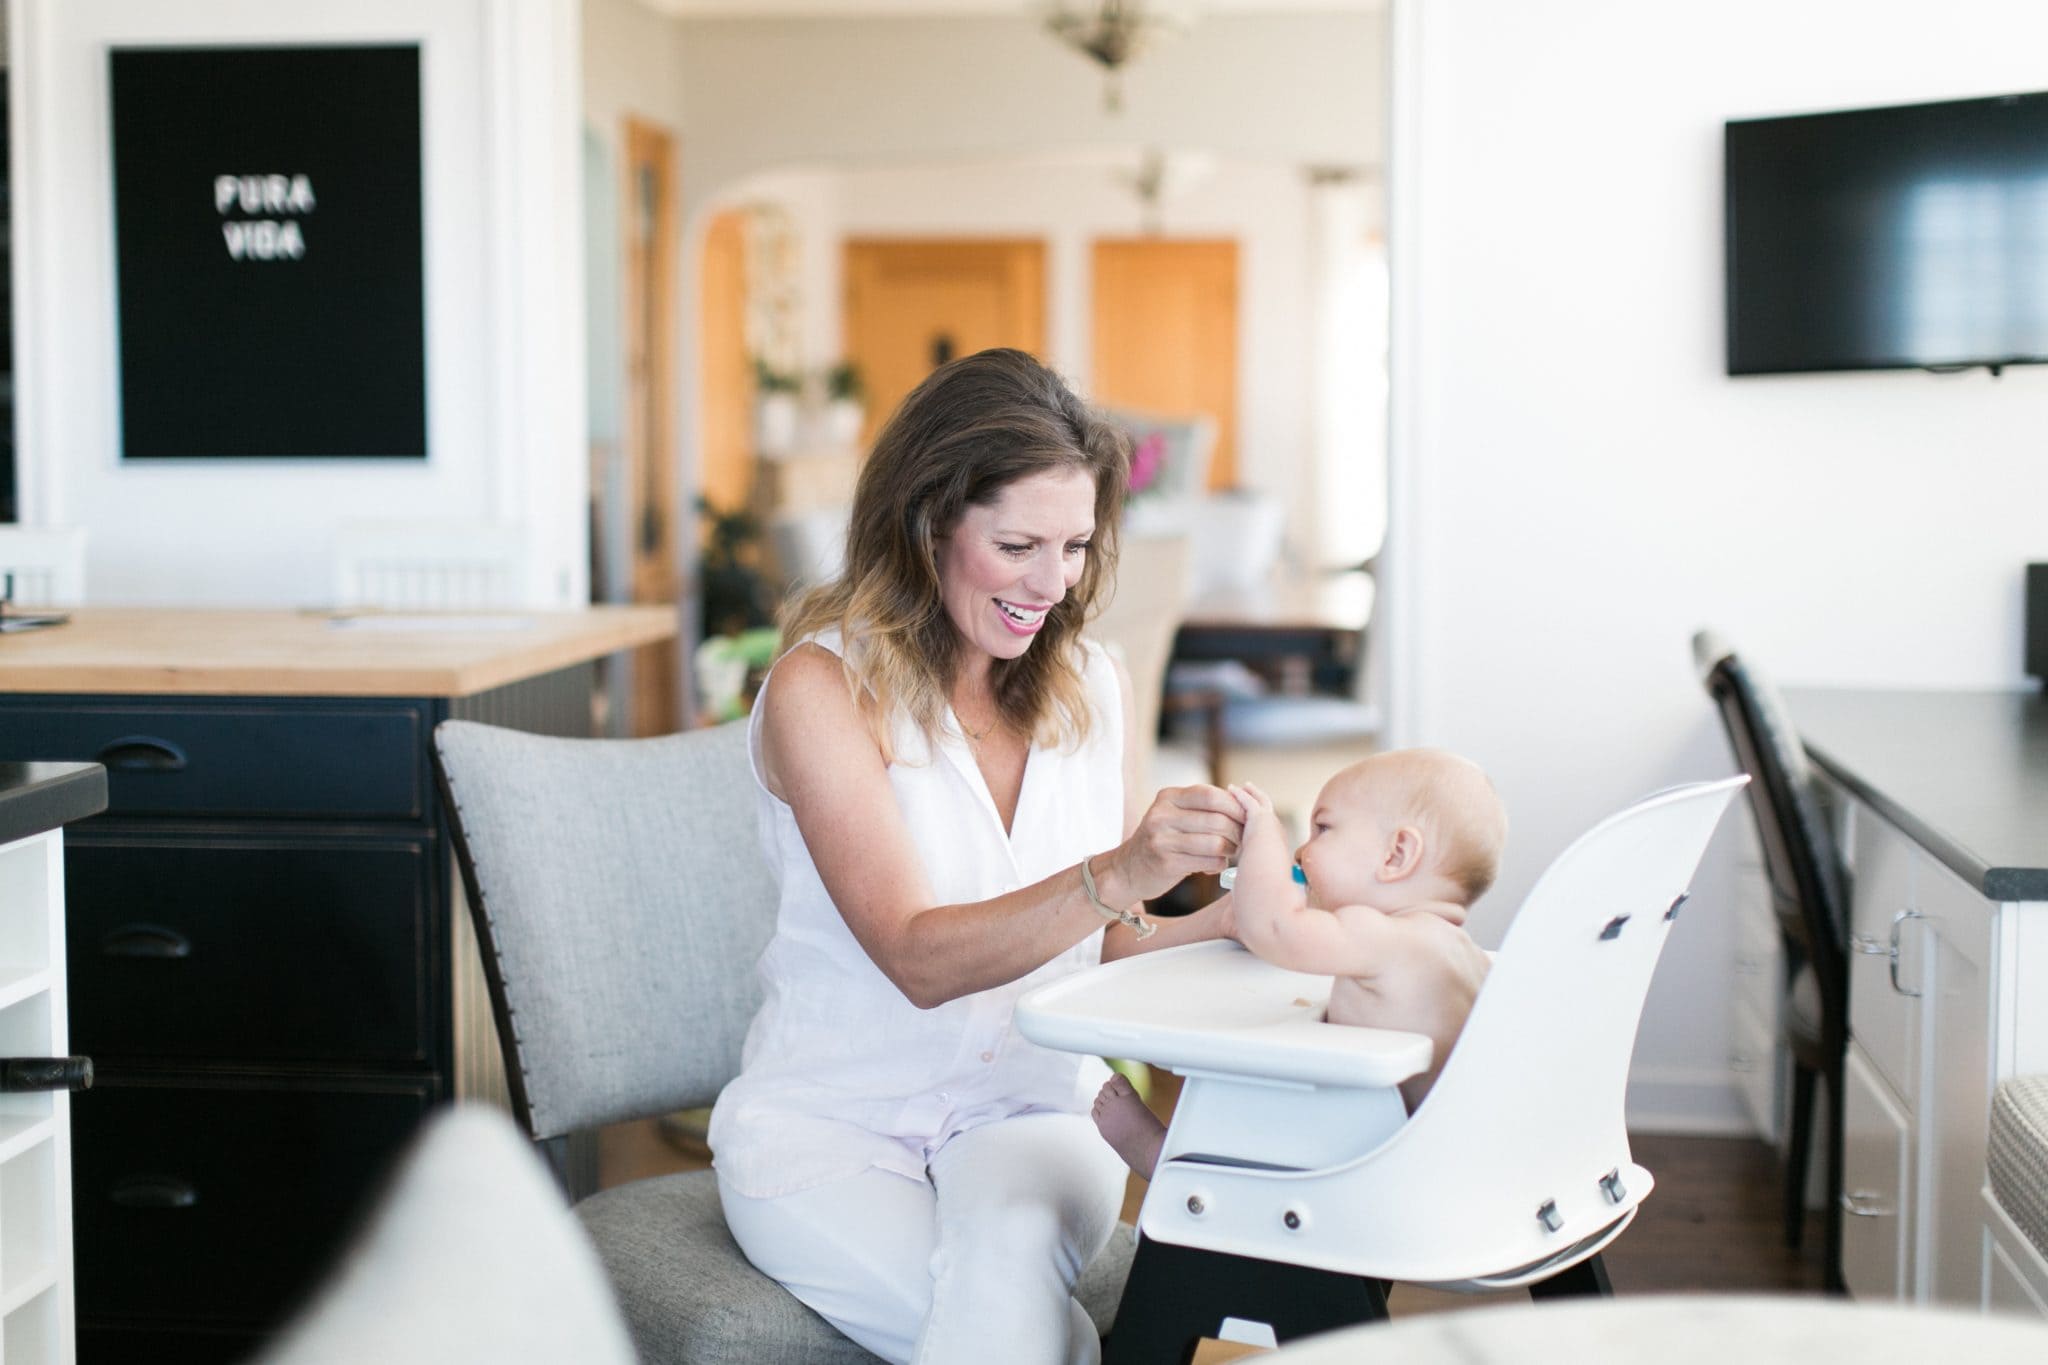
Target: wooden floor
<point>1712,1225</point>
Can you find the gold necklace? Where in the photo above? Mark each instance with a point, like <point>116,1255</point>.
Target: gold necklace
<point>977,736</point>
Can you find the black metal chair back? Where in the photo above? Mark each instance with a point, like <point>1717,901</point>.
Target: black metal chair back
<point>1808,887</point>
<point>1810,897</point>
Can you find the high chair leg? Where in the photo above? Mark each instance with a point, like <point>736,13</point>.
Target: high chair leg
<point>1178,1295</point>
<point>1587,1278</point>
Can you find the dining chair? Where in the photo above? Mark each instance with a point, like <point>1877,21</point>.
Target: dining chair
<point>429,565</point>
<point>1293,1185</point>
<point>1810,902</point>
<point>45,565</point>
<point>2016,1187</point>
<point>470,1254</point>
<point>621,903</point>
<point>1139,623</point>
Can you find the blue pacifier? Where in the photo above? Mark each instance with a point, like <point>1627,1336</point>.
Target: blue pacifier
<point>1229,876</point>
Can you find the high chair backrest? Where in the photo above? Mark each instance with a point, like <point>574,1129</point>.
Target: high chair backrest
<point>1530,1106</point>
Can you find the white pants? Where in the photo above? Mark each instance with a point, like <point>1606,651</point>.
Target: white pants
<point>976,1263</point>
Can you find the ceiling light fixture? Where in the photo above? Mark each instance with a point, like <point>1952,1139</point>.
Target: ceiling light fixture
<point>1112,32</point>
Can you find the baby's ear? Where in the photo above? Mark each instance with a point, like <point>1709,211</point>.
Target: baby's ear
<point>1403,858</point>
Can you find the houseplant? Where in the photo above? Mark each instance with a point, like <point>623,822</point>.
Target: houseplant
<point>846,407</point>
<point>778,409</point>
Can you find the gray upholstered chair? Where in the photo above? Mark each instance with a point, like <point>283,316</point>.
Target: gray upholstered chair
<point>2018,1155</point>
<point>621,903</point>
<point>471,1255</point>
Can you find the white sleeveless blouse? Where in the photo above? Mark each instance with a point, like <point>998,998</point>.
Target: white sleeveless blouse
<point>840,1071</point>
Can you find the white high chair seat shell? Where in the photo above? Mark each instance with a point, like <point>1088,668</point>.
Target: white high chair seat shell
<point>1517,1164</point>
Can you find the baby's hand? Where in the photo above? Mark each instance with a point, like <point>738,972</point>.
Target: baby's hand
<point>1252,801</point>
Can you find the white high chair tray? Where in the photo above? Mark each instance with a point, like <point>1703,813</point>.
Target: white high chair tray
<point>1215,1009</point>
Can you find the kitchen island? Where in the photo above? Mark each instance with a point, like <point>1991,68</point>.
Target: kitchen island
<point>268,962</point>
<point>1941,800</point>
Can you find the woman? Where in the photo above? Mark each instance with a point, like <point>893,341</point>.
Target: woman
<point>943,765</point>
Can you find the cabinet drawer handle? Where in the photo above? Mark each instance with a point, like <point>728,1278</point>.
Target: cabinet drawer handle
<point>142,754</point>
<point>1864,1204</point>
<point>1897,921</point>
<point>145,940</point>
<point>154,1192</point>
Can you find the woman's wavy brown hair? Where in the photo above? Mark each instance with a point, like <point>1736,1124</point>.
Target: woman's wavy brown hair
<point>970,430</point>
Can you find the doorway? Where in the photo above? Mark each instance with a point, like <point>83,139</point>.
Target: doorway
<point>914,304</point>
<point>649,428</point>
<point>1165,333</point>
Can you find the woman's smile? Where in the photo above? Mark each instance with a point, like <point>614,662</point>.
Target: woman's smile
<point>1021,619</point>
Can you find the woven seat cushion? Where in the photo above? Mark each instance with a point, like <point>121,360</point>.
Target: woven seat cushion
<point>690,1296</point>
<point>2019,1154</point>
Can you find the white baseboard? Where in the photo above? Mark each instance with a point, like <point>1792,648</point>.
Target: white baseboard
<point>1698,1103</point>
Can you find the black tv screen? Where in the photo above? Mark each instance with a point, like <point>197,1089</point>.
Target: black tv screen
<point>1913,236</point>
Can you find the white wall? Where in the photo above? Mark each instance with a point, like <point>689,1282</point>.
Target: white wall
<point>632,68</point>
<point>504,327</point>
<point>1581,484</point>
<point>1068,200</point>
<point>800,102</point>
<point>765,94</point>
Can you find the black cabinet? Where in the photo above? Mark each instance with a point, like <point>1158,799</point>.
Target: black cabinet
<point>259,938</point>
<point>178,1177</point>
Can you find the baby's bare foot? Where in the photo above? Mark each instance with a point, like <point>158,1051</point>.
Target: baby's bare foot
<point>1128,1126</point>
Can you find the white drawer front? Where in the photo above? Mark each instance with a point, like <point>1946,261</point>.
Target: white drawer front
<point>1882,1017</point>
<point>1876,1186</point>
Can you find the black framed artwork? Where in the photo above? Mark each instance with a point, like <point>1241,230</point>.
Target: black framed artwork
<point>267,229</point>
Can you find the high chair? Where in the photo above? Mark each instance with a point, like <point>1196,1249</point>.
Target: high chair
<point>1292,1184</point>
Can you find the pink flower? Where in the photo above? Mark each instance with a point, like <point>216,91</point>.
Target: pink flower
<point>1148,457</point>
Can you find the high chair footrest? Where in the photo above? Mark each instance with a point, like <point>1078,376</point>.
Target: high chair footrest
<point>1177,1295</point>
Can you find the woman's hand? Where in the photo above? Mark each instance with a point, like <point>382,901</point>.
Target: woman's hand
<point>1184,831</point>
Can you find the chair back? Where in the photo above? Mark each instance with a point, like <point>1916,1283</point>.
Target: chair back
<point>621,902</point>
<point>1808,894</point>
<point>1530,1107</point>
<point>1140,623</point>
<point>430,565</point>
<point>47,563</point>
<point>470,1255</point>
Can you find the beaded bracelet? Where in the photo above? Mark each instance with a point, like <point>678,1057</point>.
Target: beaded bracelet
<point>1145,928</point>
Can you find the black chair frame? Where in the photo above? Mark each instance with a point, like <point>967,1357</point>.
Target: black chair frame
<point>1809,897</point>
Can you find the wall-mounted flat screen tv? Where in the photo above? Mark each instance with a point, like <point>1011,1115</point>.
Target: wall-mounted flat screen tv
<point>1906,237</point>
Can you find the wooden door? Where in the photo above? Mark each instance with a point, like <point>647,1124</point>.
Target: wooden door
<point>1166,334</point>
<point>913,304</point>
<point>726,403</point>
<point>650,414</point>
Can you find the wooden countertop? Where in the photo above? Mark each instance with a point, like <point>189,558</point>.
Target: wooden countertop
<point>171,652</point>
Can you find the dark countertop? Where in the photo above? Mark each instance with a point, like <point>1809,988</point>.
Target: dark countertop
<point>1963,773</point>
<point>35,797</point>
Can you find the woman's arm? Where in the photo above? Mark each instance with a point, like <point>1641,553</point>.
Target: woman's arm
<point>818,756</point>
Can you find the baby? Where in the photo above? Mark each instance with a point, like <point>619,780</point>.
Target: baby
<point>1400,846</point>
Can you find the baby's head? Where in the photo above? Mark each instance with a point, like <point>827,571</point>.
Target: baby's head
<point>1403,828</point>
